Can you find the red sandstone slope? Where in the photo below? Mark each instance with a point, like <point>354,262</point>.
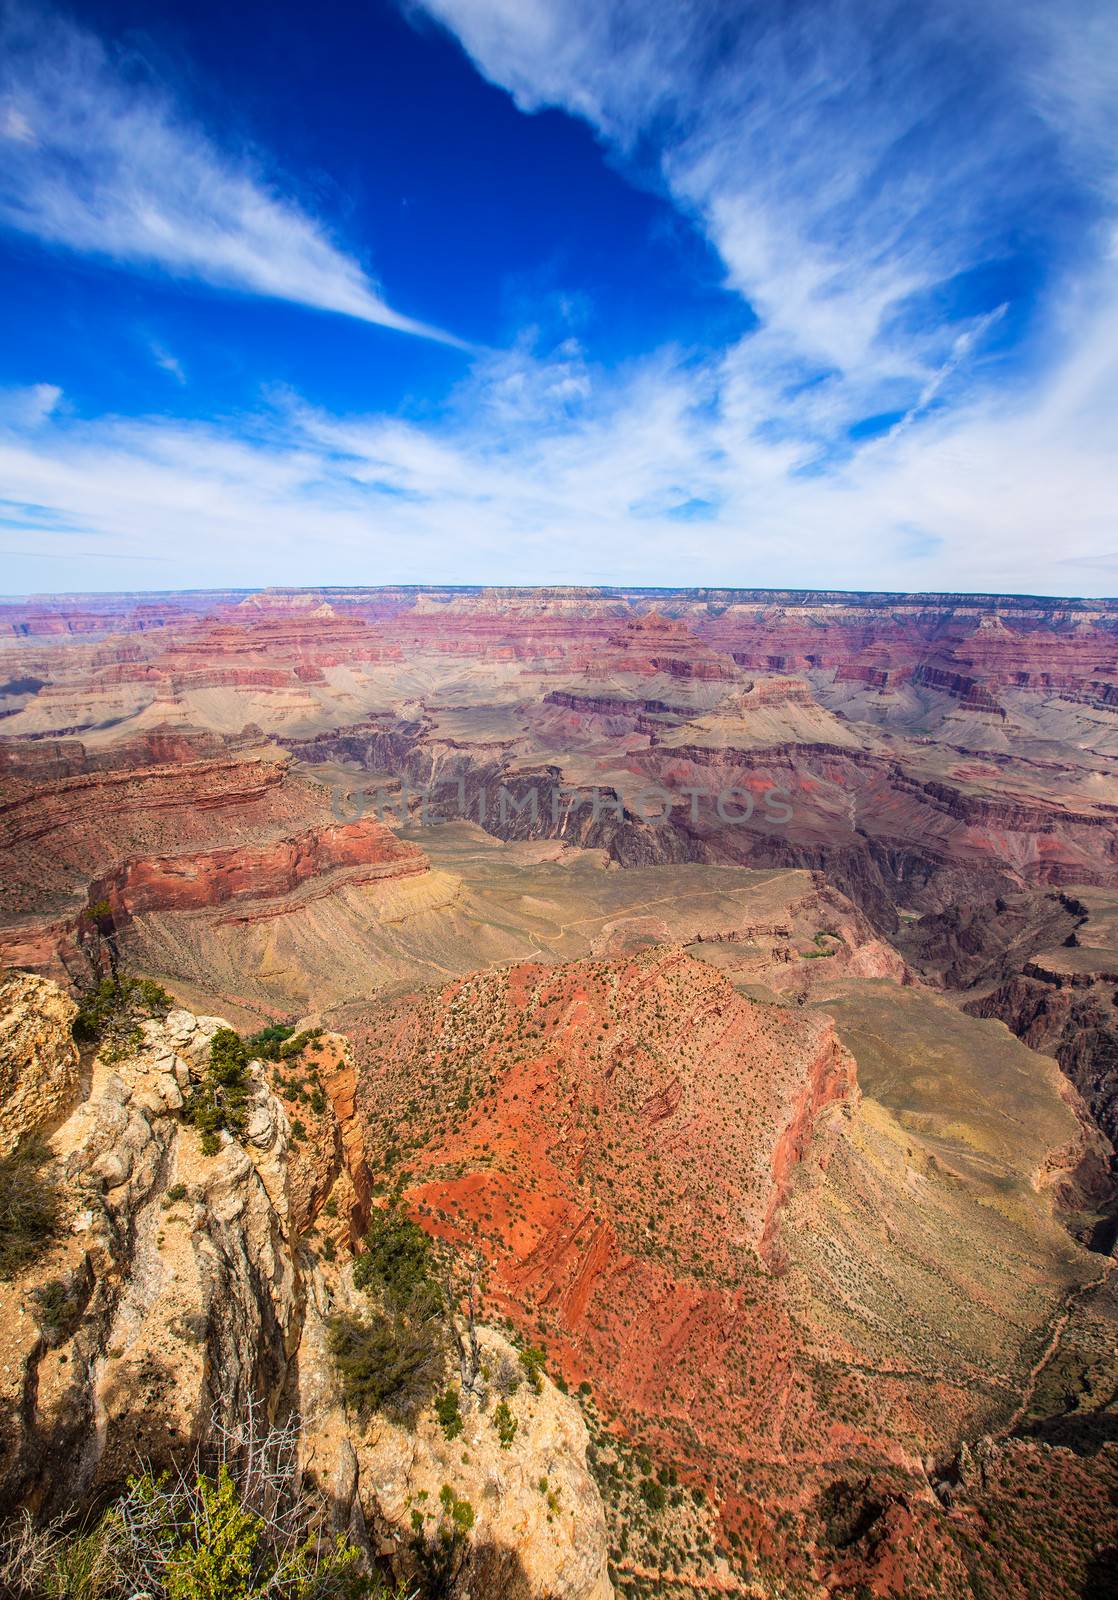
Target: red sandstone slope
<point>680,1193</point>
<point>618,1138</point>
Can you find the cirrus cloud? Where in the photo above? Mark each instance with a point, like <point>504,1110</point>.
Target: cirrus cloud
<point>96,157</point>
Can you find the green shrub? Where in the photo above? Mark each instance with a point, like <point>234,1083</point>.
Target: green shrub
<point>219,1558</point>
<point>29,1207</point>
<point>398,1263</point>
<point>110,1013</point>
<point>381,1359</point>
<point>442,1556</point>
<point>186,1538</point>
<point>392,1355</point>
<point>229,1058</point>
<point>533,1361</point>
<point>265,1045</point>
<point>460,1512</point>
<point>295,1045</point>
<point>448,1413</point>
<point>221,1100</point>
<point>505,1424</point>
<point>654,1495</point>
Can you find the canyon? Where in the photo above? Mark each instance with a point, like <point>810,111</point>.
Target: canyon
<point>726,981</point>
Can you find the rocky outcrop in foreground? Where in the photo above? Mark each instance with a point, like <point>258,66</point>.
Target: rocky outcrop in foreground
<point>183,1292</point>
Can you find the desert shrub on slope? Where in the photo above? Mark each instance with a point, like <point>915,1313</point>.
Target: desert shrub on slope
<point>250,1533</point>
<point>393,1353</point>
<point>381,1358</point>
<point>221,1099</point>
<point>29,1207</point>
<point>111,1011</point>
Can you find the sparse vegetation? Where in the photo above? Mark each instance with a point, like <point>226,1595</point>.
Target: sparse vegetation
<point>533,1361</point>
<point>382,1359</point>
<point>392,1356</point>
<point>449,1414</point>
<point>246,1533</point>
<point>296,1043</point>
<point>111,1013</point>
<point>398,1262</point>
<point>266,1045</point>
<point>29,1207</point>
<point>220,1100</point>
<point>505,1424</point>
<point>441,1551</point>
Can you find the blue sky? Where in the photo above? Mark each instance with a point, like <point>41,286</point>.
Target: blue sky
<point>822,292</point>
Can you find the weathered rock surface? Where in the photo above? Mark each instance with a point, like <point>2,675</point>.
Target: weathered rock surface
<point>38,1056</point>
<point>531,1542</point>
<point>366,851</point>
<point>190,1292</point>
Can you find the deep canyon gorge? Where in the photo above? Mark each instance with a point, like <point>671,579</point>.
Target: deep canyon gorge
<point>762,1140</point>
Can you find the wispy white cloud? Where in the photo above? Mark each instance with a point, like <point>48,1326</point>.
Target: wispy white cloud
<point>843,190</point>
<point>605,484</point>
<point>168,362</point>
<point>97,157</point>
<point>850,160</point>
<point>28,407</point>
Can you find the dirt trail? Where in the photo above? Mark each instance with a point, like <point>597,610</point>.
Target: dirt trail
<point>1051,1347</point>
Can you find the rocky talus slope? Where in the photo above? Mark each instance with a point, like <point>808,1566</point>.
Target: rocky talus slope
<point>183,1292</point>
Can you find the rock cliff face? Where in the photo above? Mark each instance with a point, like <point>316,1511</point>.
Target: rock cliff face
<point>365,851</point>
<point>986,940</point>
<point>1046,966</point>
<point>231,836</point>
<point>58,834</point>
<point>194,1292</point>
<point>38,1056</point>
<point>1080,1030</point>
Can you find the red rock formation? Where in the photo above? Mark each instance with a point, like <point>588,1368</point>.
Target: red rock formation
<point>966,690</point>
<point>635,1149</point>
<point>239,872</point>
<point>68,818</point>
<point>574,1088</point>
